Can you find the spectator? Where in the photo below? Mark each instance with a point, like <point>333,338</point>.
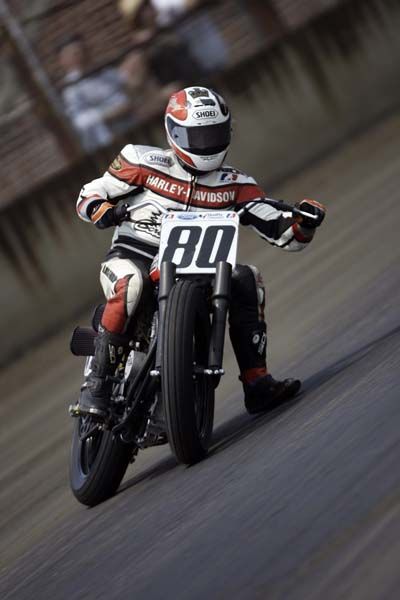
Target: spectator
<point>199,32</point>
<point>98,103</point>
<point>148,95</point>
<point>188,48</point>
<point>169,59</point>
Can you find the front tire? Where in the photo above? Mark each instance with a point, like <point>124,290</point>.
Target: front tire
<point>188,397</point>
<point>98,462</point>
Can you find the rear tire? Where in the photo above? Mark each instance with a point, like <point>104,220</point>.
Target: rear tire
<point>98,463</point>
<point>188,402</point>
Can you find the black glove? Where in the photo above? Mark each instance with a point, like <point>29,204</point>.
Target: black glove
<point>121,213</point>
<point>106,215</point>
<point>314,209</point>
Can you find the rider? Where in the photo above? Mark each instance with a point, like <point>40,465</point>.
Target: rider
<point>190,176</point>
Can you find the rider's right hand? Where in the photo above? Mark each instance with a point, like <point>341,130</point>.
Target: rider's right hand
<point>106,215</point>
<point>121,213</point>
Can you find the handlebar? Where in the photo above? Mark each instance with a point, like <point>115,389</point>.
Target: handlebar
<point>278,204</point>
<point>154,203</point>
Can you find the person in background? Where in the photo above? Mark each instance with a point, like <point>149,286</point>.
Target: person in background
<point>98,103</point>
<point>188,45</point>
<point>205,42</point>
<point>148,95</point>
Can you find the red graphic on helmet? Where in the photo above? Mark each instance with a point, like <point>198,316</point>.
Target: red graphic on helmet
<point>177,105</point>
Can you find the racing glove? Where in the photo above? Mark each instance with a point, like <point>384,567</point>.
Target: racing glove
<point>316,211</point>
<point>107,215</point>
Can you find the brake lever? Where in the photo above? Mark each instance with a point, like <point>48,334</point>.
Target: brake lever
<point>296,211</point>
<point>279,205</point>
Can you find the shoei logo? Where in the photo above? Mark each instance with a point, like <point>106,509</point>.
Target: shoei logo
<point>205,114</point>
<point>158,159</point>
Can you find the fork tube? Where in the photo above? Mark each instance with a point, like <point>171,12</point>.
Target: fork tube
<point>167,277</point>
<point>220,303</point>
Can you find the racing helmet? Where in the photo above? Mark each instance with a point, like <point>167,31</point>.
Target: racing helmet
<point>198,126</point>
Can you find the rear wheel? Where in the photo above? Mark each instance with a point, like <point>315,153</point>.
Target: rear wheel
<point>98,462</point>
<point>188,395</point>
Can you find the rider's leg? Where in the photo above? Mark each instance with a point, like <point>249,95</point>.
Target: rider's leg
<point>248,332</point>
<point>123,282</point>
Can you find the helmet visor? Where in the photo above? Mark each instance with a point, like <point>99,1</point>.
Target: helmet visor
<point>203,140</point>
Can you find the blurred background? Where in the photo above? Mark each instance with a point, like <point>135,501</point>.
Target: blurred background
<point>80,79</point>
<point>303,502</point>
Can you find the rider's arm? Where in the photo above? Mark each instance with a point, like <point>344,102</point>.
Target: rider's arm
<point>278,226</point>
<point>98,199</point>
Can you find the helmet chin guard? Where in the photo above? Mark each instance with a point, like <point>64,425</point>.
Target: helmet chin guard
<point>198,127</point>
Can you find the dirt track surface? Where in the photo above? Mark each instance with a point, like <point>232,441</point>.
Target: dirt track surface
<point>301,503</point>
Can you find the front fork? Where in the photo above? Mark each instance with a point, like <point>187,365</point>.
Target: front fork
<point>219,302</point>
<point>167,280</point>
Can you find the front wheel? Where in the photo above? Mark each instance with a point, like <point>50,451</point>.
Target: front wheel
<point>188,395</point>
<point>98,462</point>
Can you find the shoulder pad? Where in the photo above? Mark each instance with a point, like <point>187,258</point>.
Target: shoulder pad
<point>130,153</point>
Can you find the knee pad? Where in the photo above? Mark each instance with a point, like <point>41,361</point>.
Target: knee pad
<point>122,304</point>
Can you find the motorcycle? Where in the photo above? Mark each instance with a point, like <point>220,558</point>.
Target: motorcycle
<point>165,391</point>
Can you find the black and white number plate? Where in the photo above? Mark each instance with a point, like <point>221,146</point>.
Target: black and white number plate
<point>196,241</point>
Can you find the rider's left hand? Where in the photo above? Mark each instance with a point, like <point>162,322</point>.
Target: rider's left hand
<point>316,210</point>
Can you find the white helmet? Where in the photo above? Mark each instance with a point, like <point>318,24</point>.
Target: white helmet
<point>198,125</point>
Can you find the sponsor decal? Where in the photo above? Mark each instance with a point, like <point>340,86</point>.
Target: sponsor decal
<point>259,341</point>
<point>116,164</point>
<point>187,216</point>
<point>214,197</point>
<point>109,274</point>
<point>208,113</point>
<point>229,177</point>
<point>155,158</point>
<point>198,92</point>
<point>155,183</point>
<point>158,183</point>
<point>213,215</point>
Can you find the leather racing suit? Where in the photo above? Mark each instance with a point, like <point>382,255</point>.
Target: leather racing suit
<point>141,173</point>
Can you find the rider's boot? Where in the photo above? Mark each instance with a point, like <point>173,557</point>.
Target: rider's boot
<point>261,391</point>
<point>248,332</point>
<point>111,350</point>
<point>265,392</point>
